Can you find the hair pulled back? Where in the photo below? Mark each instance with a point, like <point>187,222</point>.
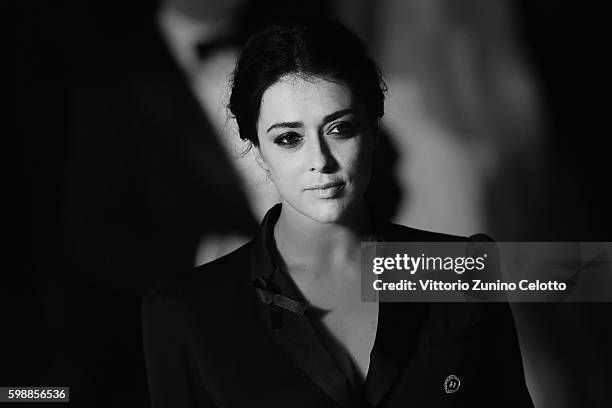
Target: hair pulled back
<point>324,49</point>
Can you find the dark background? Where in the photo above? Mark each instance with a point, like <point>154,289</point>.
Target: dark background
<point>77,302</point>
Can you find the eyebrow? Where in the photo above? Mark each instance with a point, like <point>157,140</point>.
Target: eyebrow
<point>326,119</point>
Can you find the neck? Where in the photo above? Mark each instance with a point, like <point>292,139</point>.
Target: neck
<point>303,241</point>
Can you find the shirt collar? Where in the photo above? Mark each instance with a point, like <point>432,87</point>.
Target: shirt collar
<point>261,256</point>
<point>273,284</point>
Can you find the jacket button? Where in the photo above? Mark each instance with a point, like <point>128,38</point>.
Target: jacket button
<point>451,384</point>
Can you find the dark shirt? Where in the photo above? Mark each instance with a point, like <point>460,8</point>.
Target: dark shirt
<point>223,338</point>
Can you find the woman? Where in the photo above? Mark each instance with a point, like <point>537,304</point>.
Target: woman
<point>279,322</point>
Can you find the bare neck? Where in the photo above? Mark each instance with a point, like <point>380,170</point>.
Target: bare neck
<point>302,241</point>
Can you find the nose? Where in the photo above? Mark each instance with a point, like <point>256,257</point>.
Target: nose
<point>321,158</point>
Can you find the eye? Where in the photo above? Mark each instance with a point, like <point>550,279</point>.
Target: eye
<point>342,129</point>
<point>291,139</point>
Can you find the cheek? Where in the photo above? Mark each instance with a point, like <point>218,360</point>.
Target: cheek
<point>283,172</point>
<point>359,161</point>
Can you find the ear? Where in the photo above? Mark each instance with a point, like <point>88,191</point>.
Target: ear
<point>259,158</point>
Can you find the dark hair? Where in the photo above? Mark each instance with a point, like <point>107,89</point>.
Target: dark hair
<point>324,49</point>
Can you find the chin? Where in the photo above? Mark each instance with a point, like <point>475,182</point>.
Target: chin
<point>327,211</point>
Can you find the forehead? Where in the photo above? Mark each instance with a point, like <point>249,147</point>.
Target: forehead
<point>294,98</point>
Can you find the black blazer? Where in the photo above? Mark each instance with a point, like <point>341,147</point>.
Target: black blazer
<point>211,341</point>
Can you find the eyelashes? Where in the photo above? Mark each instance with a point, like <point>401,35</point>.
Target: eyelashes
<point>341,130</point>
<point>290,139</point>
<point>346,129</point>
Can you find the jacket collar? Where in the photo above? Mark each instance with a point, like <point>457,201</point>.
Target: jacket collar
<point>264,245</point>
<point>264,253</point>
<point>398,324</point>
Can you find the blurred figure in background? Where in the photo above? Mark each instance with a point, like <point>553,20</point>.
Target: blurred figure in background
<point>461,90</point>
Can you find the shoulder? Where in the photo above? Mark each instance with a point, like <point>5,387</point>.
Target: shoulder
<point>453,317</point>
<point>401,233</point>
<point>214,282</point>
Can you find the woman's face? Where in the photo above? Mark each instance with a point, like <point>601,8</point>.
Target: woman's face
<point>316,142</point>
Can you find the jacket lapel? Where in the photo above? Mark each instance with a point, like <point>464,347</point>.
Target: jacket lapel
<point>301,344</point>
<point>292,332</point>
<point>397,335</point>
<point>396,341</point>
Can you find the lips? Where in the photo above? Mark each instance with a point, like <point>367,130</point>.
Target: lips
<point>326,185</point>
<point>327,190</point>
